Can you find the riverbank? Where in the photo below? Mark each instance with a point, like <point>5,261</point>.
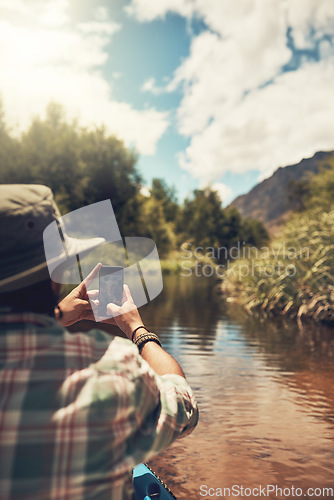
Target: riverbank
<point>180,262</point>
<point>294,276</point>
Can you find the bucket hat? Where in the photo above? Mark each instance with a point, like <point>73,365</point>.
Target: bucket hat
<point>26,210</point>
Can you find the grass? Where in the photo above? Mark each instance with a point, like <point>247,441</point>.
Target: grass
<point>295,276</point>
<point>177,263</point>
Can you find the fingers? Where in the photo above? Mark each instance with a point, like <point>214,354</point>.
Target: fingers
<point>92,275</point>
<point>93,294</point>
<point>113,310</point>
<point>126,292</point>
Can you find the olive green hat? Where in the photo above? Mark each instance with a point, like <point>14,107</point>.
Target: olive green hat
<point>26,210</point>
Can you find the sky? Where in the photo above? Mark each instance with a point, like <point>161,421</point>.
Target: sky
<point>208,92</point>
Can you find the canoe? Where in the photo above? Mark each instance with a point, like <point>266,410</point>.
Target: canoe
<point>148,486</point>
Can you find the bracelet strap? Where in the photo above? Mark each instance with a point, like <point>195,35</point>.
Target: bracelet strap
<point>136,329</point>
<point>146,337</point>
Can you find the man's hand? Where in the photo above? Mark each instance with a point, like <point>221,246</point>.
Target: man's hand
<point>78,304</point>
<point>126,316</point>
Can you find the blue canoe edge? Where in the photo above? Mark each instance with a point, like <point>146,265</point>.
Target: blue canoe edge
<point>148,485</point>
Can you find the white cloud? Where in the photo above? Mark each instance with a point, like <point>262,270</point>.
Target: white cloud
<point>151,86</point>
<point>47,58</point>
<point>17,6</point>
<point>224,191</point>
<point>99,27</point>
<point>277,125</point>
<point>310,19</point>
<point>147,10</point>
<point>101,13</point>
<point>239,111</point>
<point>55,13</point>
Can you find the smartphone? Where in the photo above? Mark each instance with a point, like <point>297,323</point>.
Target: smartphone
<point>111,280</point>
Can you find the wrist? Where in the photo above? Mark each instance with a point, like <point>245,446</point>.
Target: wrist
<point>130,328</point>
<point>138,330</point>
<point>144,338</point>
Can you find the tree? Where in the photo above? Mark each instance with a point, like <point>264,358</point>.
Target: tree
<point>156,226</point>
<point>253,232</point>
<point>9,152</point>
<point>84,166</point>
<point>166,195</point>
<point>80,166</point>
<point>51,156</point>
<point>111,173</point>
<point>202,218</point>
<point>204,222</point>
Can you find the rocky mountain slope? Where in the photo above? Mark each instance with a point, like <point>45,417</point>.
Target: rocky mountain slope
<point>269,201</point>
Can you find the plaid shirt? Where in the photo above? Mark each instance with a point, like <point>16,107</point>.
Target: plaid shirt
<point>78,411</point>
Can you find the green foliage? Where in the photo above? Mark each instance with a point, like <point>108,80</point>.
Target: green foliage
<point>166,196</point>
<point>156,226</point>
<point>84,166</point>
<point>158,213</point>
<point>253,232</point>
<point>295,275</point>
<point>80,166</point>
<point>9,151</point>
<point>321,188</point>
<point>201,219</point>
<point>204,222</point>
<point>111,173</point>
<point>51,155</point>
<point>297,192</point>
<point>315,190</point>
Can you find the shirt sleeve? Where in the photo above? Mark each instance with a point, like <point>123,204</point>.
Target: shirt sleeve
<point>159,409</point>
<point>172,413</point>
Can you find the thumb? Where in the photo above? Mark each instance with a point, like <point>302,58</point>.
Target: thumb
<point>113,310</point>
<point>84,305</point>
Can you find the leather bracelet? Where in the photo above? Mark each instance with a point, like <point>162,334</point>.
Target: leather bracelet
<point>136,329</point>
<point>143,338</point>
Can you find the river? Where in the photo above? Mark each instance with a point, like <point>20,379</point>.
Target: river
<point>265,391</point>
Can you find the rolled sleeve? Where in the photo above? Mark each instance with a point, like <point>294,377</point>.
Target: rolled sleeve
<point>168,411</point>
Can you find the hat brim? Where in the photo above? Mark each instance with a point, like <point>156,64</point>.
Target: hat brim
<point>59,264</point>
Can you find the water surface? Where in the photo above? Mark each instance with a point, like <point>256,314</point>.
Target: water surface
<point>265,392</point>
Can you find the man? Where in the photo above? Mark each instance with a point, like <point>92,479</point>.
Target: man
<point>77,411</point>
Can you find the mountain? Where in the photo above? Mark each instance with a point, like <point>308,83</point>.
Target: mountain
<point>269,200</point>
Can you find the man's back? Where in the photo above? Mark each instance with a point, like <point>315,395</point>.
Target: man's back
<point>78,411</point>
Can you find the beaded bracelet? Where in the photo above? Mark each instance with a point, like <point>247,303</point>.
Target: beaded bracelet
<point>146,337</point>
<point>135,330</point>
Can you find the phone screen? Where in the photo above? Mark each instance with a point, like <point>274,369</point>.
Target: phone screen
<point>110,287</point>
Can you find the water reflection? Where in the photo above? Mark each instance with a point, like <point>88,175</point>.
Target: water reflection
<point>265,391</point>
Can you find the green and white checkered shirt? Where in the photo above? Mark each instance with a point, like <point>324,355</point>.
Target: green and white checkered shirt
<point>78,411</point>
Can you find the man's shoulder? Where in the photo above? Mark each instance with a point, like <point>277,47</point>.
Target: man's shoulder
<point>102,338</point>
<point>111,352</point>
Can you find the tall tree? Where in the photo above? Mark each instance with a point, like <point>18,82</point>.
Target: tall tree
<point>156,226</point>
<point>166,195</point>
<point>9,152</point>
<point>51,156</point>
<point>202,218</point>
<point>205,223</point>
